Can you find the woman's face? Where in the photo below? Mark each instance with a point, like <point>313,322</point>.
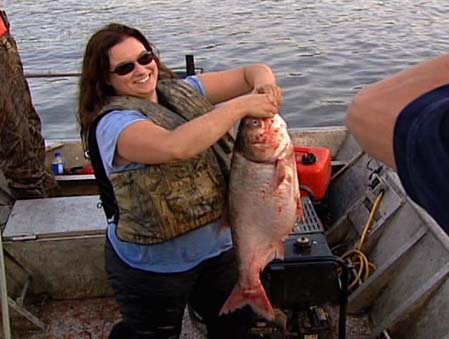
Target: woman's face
<point>142,79</point>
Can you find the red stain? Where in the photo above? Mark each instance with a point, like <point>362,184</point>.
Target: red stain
<point>269,134</point>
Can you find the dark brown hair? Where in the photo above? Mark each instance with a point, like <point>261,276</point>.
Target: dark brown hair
<point>93,88</point>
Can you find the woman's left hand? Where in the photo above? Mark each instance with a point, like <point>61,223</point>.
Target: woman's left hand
<point>273,90</point>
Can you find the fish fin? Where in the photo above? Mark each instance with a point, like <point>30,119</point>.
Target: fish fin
<point>280,174</point>
<point>257,299</point>
<point>279,251</point>
<point>300,209</point>
<point>225,216</point>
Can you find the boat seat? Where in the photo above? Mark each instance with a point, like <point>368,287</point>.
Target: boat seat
<point>49,217</point>
<point>40,229</point>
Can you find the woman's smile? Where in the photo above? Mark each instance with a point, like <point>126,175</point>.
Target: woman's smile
<point>144,80</point>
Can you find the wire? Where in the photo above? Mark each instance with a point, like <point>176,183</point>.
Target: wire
<point>370,221</point>
<point>362,266</point>
<point>309,191</point>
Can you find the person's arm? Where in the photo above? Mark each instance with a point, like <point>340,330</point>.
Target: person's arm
<point>372,115</point>
<point>146,142</point>
<point>225,85</point>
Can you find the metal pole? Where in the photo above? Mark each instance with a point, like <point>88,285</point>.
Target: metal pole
<point>4,294</point>
<point>190,65</point>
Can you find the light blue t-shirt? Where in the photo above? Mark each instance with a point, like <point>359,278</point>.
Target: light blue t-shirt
<point>179,254</point>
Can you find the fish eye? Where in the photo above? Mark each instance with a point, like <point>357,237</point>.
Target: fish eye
<point>255,122</point>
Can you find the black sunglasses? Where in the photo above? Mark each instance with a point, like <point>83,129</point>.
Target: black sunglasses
<point>128,67</point>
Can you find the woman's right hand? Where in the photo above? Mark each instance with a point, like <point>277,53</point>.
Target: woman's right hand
<point>256,105</point>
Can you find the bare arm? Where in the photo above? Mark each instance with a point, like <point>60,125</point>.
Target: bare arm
<point>225,85</point>
<point>372,115</point>
<point>145,142</point>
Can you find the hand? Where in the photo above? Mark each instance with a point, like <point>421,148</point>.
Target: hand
<point>256,105</point>
<point>273,90</point>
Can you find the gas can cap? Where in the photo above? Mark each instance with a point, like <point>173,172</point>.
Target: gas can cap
<point>308,159</point>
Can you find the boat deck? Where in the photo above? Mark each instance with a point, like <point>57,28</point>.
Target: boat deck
<point>82,319</point>
<point>94,318</point>
<point>406,297</point>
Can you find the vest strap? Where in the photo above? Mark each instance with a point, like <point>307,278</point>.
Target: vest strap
<point>107,196</point>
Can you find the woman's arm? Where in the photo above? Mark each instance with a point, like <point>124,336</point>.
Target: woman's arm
<point>250,90</point>
<point>225,85</point>
<point>372,115</point>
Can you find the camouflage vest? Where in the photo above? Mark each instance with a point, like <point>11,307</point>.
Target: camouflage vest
<point>160,202</point>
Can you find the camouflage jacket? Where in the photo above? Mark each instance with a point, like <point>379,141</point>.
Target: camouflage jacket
<point>157,203</point>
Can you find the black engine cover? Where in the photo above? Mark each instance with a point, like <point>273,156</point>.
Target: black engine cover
<point>307,274</point>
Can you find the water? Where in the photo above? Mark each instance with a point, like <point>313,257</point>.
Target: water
<point>323,52</point>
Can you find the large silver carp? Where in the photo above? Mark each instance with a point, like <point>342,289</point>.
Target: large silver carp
<point>264,204</point>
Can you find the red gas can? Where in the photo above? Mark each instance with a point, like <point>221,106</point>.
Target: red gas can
<point>4,24</point>
<point>314,169</point>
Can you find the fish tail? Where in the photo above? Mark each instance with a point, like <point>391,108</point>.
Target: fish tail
<point>256,298</point>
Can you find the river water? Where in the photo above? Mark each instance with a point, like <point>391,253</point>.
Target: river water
<point>323,52</point>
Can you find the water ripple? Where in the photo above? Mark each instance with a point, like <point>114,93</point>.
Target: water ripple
<point>323,52</point>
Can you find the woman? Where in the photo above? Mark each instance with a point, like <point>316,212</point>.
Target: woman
<point>165,149</point>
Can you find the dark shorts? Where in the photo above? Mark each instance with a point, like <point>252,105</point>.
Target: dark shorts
<point>153,304</point>
<point>421,150</point>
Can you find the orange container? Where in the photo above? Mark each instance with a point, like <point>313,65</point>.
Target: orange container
<point>314,169</point>
<point>4,26</point>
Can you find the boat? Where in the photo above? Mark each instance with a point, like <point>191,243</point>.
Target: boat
<point>54,248</point>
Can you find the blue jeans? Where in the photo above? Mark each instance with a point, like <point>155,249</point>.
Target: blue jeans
<point>152,304</point>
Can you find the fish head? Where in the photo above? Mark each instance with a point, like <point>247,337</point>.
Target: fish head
<point>262,140</point>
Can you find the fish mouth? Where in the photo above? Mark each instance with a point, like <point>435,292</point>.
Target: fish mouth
<point>262,144</point>
<point>277,147</point>
<point>262,149</point>
<point>265,152</point>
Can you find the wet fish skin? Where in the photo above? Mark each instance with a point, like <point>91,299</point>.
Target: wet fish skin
<point>264,204</point>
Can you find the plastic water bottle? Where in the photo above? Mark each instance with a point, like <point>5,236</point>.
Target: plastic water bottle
<point>57,165</point>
